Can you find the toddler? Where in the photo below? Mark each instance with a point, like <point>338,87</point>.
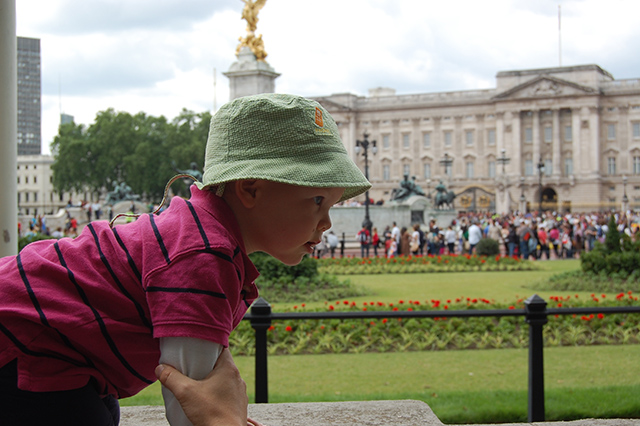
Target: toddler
<point>85,321</point>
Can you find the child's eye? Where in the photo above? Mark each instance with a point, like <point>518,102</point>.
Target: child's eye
<point>318,199</point>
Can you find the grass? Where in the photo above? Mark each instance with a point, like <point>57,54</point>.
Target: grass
<point>470,386</point>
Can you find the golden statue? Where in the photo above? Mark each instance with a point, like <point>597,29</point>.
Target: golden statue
<point>253,42</point>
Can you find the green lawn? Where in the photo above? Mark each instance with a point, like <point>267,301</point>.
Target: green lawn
<point>460,386</point>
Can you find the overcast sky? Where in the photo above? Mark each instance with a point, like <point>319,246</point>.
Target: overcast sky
<point>159,56</point>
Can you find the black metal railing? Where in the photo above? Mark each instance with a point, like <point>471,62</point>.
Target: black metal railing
<point>535,313</point>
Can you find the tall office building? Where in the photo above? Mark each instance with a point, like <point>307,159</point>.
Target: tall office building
<point>29,97</point>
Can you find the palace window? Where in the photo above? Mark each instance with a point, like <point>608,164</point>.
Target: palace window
<point>426,140</point>
<point>469,169</point>
<point>636,165</point>
<point>469,137</point>
<point>385,141</point>
<point>492,169</point>
<point>405,140</point>
<point>491,137</point>
<point>447,138</point>
<point>611,132</point>
<point>406,169</point>
<point>548,136</point>
<point>386,174</point>
<point>636,130</point>
<point>528,135</point>
<point>548,167</point>
<point>528,167</point>
<point>568,166</point>
<point>611,166</point>
<point>427,170</point>
<point>568,133</point>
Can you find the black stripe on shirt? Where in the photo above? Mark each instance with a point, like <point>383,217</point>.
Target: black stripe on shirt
<point>132,264</point>
<point>41,314</point>
<point>99,320</point>
<point>115,278</point>
<point>186,290</point>
<point>199,224</point>
<point>159,239</point>
<point>31,293</point>
<point>23,348</point>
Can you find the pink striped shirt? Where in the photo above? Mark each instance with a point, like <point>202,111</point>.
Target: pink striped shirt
<point>93,307</point>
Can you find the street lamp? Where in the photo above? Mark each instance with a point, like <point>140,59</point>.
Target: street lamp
<point>446,163</point>
<point>364,145</point>
<point>540,172</point>
<point>625,199</point>
<point>503,159</point>
<point>523,200</point>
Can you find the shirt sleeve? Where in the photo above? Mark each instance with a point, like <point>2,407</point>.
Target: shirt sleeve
<point>195,358</point>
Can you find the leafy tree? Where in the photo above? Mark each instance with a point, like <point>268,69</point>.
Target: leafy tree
<point>141,150</point>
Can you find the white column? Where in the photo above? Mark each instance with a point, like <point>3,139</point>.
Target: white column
<point>594,142</point>
<point>576,144</point>
<point>8,129</point>
<point>537,140</point>
<point>556,158</point>
<point>516,145</point>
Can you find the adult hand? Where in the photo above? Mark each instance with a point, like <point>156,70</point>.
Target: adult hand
<point>218,399</point>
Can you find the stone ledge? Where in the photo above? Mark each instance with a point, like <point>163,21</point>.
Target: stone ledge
<point>369,413</point>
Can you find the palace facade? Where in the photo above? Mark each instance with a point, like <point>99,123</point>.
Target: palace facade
<point>562,139</point>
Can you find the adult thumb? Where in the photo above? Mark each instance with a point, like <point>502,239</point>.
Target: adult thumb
<point>171,378</point>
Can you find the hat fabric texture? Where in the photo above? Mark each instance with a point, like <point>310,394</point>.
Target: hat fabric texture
<point>281,138</point>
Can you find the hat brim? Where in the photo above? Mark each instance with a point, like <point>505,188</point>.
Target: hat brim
<point>342,173</point>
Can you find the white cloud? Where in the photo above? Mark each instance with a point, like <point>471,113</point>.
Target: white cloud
<point>158,56</point>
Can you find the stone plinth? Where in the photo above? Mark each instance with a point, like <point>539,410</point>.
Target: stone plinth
<point>248,76</point>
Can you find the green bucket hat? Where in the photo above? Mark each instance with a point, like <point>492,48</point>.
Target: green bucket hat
<point>281,138</point>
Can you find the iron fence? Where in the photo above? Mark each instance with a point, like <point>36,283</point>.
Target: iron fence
<point>535,314</point>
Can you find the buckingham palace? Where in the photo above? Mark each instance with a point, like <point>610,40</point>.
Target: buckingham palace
<point>562,139</point>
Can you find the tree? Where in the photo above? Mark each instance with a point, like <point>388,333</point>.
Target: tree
<point>136,149</point>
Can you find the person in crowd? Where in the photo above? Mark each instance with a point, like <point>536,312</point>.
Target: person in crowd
<point>405,241</point>
<point>86,321</point>
<point>450,238</point>
<point>375,241</point>
<point>364,238</point>
<point>414,241</point>
<point>332,242</point>
<point>554,238</point>
<point>475,235</point>
<point>543,242</point>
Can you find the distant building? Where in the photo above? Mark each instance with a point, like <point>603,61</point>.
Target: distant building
<point>29,97</point>
<point>36,194</point>
<point>66,119</point>
<point>567,138</point>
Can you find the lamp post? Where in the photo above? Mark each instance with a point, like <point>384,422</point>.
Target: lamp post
<point>364,145</point>
<point>446,163</point>
<point>540,172</point>
<point>625,199</point>
<point>523,200</point>
<point>503,159</point>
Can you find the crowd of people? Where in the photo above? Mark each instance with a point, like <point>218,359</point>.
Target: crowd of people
<point>544,236</point>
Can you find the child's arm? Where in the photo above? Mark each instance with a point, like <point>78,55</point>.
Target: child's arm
<point>195,358</point>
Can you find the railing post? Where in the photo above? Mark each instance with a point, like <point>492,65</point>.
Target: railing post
<point>342,246</point>
<point>261,321</point>
<point>536,316</point>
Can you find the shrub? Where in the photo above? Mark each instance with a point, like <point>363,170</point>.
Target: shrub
<point>488,247</point>
<point>23,241</point>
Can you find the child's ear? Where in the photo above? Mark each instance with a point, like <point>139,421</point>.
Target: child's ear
<point>246,190</point>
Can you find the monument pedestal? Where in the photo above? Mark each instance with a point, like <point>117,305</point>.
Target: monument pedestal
<point>248,76</point>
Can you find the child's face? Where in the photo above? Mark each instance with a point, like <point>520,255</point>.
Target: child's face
<point>292,219</point>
